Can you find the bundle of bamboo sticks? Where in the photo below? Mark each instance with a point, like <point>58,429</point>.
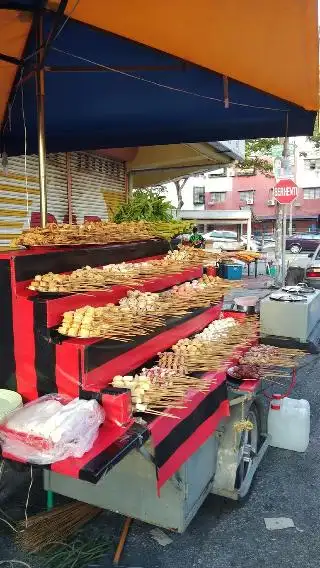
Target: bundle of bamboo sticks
<point>46,529</point>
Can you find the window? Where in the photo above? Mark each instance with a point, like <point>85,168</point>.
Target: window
<point>223,235</point>
<point>221,172</point>
<point>312,164</point>
<point>218,196</point>
<point>198,195</point>
<point>247,195</point>
<point>307,236</point>
<point>311,193</point>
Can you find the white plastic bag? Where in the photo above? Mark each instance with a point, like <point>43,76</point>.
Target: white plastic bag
<point>52,428</point>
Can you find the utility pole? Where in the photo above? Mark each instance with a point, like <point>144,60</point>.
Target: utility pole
<point>281,219</point>
<point>295,177</point>
<point>278,242</point>
<point>290,220</point>
<point>286,172</point>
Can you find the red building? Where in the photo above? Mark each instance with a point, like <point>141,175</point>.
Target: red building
<point>255,192</point>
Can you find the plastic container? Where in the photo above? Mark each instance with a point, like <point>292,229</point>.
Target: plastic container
<point>211,270</point>
<point>230,271</point>
<point>289,423</point>
<point>9,401</point>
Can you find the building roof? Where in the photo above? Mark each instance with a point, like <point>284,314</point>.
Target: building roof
<point>225,217</point>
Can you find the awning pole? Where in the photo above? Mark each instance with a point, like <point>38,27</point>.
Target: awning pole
<point>41,122</point>
<point>249,231</point>
<point>69,187</point>
<point>130,184</point>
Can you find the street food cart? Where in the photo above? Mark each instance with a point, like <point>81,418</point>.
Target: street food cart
<point>159,469</point>
<point>105,79</point>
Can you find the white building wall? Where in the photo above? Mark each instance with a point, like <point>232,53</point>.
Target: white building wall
<point>218,184</point>
<point>306,177</point>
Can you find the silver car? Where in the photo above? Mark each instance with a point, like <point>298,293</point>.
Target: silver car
<point>223,240</point>
<point>313,269</point>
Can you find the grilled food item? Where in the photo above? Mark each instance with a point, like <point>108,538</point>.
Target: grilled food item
<point>99,232</point>
<point>139,312</point>
<point>156,389</point>
<point>266,356</point>
<point>213,347</point>
<point>130,274</point>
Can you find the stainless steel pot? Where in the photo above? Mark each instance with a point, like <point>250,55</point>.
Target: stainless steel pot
<point>245,304</point>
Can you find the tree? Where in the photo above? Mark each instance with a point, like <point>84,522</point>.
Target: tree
<point>256,156</point>
<point>180,183</point>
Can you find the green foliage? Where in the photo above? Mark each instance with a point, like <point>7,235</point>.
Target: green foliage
<point>261,146</point>
<point>315,139</point>
<point>256,155</point>
<point>145,205</point>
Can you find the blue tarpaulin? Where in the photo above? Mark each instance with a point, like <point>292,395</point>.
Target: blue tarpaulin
<point>104,91</point>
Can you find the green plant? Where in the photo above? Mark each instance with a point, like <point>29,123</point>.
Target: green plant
<point>145,205</point>
<point>256,156</point>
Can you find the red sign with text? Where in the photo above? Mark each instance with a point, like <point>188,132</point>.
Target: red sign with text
<point>285,191</point>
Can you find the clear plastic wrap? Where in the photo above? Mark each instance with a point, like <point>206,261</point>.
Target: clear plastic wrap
<point>52,428</point>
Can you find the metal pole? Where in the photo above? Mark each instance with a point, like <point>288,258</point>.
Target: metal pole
<point>285,171</point>
<point>130,184</point>
<point>290,220</point>
<point>278,247</point>
<point>41,123</point>
<point>284,238</point>
<point>69,188</point>
<point>295,150</point>
<point>249,229</point>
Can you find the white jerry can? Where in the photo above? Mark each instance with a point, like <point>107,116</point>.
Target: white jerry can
<point>289,423</point>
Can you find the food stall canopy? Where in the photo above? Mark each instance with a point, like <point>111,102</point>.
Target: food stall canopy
<point>138,73</point>
<point>155,165</point>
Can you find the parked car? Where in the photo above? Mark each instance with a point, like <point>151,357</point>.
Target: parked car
<point>224,240</point>
<point>253,244</point>
<point>312,276</point>
<point>303,242</point>
<point>266,242</point>
<point>220,235</point>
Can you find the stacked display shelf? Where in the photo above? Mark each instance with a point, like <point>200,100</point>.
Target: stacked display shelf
<point>61,363</point>
<point>28,352</point>
<point>44,362</point>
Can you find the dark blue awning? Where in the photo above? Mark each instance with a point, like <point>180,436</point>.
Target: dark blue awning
<point>104,91</point>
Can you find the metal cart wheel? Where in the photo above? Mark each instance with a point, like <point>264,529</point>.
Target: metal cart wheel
<point>248,450</point>
<point>237,464</point>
